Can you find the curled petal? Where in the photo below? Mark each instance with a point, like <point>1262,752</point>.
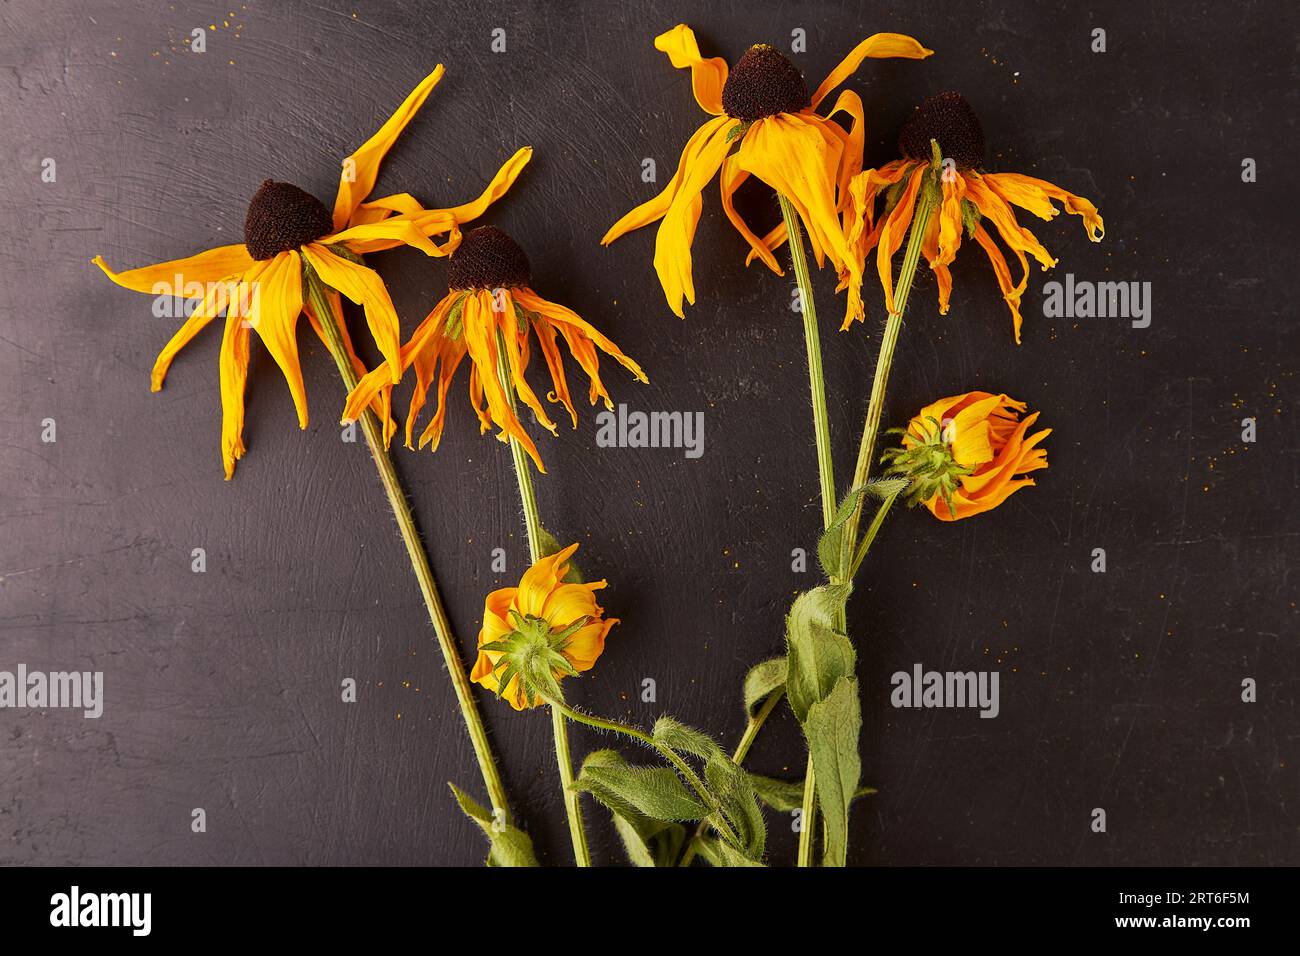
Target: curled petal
<point>708,77</point>
<point>877,46</point>
<point>361,169</point>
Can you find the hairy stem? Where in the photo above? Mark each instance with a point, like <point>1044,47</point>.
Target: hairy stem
<point>330,323</point>
<point>533,524</point>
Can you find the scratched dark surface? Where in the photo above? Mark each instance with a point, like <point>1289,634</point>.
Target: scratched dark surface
<point>1119,690</point>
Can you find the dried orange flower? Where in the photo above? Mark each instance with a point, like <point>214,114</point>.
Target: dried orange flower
<point>969,199</point>
<point>966,454</point>
<point>290,236</point>
<point>489,315</point>
<point>540,632</point>
<point>765,124</point>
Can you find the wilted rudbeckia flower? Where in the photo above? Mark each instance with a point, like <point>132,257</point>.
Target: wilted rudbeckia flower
<point>490,305</point>
<point>542,631</point>
<point>966,454</point>
<point>968,197</point>
<point>259,282</point>
<point>763,106</point>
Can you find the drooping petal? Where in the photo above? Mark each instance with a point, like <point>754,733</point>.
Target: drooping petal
<point>381,404</point>
<point>652,210</point>
<point>677,230</point>
<point>1036,195</point>
<point>364,287</point>
<point>216,298</point>
<point>555,365</point>
<point>793,155</point>
<point>581,336</point>
<point>731,179</point>
<point>436,221</point>
<point>183,278</point>
<point>361,169</point>
<point>1000,213</point>
<point>878,46</point>
<point>849,103</point>
<point>708,77</point>
<point>1011,292</point>
<point>276,306</point>
<point>892,231</point>
<point>516,342</point>
<point>233,370</point>
<point>480,324</point>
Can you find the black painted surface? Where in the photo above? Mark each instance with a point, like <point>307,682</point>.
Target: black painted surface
<point>1119,690</point>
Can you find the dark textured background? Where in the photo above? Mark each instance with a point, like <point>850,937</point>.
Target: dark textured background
<point>1118,690</point>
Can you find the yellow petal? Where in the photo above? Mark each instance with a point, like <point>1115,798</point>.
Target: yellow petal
<point>276,305</point>
<point>793,154</point>
<point>655,209</point>
<point>541,579</point>
<point>731,179</point>
<point>361,169</point>
<point>479,319</point>
<point>381,404</point>
<point>364,287</point>
<point>216,298</point>
<point>708,77</point>
<point>877,46</point>
<point>1011,293</point>
<point>181,277</point>
<point>892,231</point>
<point>233,369</point>
<point>385,234</point>
<point>1036,195</point>
<point>570,323</point>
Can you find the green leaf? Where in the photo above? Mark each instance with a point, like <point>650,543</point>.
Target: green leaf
<point>677,736</point>
<point>784,796</point>
<point>886,488</point>
<point>718,853</point>
<point>648,842</point>
<point>817,654</point>
<point>832,730</point>
<point>762,681</point>
<point>830,547</point>
<point>781,795</point>
<point>731,786</point>
<point>656,792</point>
<point>510,845</point>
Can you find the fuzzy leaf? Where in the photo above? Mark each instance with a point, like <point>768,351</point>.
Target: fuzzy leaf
<point>719,853</point>
<point>818,655</point>
<point>677,736</point>
<point>510,845</point>
<point>762,681</point>
<point>832,730</point>
<point>784,796</point>
<point>648,842</point>
<point>830,547</point>
<point>656,792</point>
<point>740,806</point>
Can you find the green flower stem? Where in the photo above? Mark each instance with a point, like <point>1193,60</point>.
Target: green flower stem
<point>330,323</point>
<point>893,325</point>
<point>533,524</point>
<point>742,750</point>
<point>825,470</point>
<point>600,723</point>
<point>870,536</point>
<point>821,426</point>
